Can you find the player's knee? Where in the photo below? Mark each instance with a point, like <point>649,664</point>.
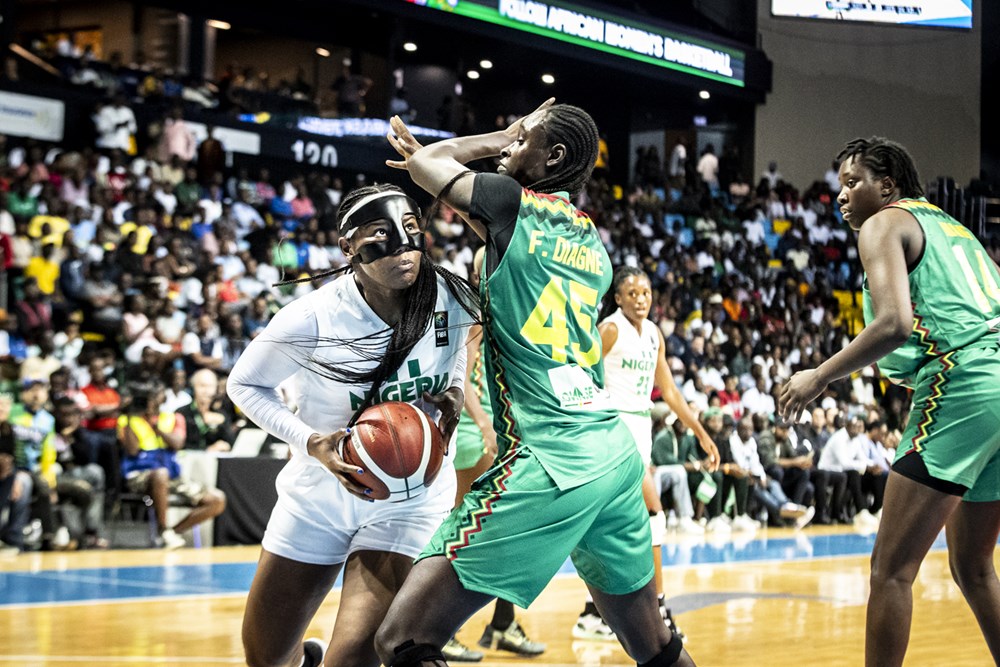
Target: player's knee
<point>670,655</point>
<point>968,573</point>
<point>261,656</point>
<point>658,527</point>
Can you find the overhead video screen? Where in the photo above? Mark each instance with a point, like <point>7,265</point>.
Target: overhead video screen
<point>938,13</point>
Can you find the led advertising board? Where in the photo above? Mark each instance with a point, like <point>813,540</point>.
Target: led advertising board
<point>614,35</point>
<point>939,13</point>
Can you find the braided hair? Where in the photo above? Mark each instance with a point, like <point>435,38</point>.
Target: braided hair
<point>388,348</point>
<point>574,128</point>
<point>622,273</point>
<point>886,158</point>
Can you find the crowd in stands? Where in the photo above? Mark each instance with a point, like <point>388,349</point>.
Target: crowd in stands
<point>134,274</point>
<point>238,89</point>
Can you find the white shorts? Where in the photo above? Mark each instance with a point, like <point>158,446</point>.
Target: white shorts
<point>642,430</point>
<point>317,521</point>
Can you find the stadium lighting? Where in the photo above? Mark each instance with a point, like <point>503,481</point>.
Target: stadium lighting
<point>704,94</point>
<point>409,47</point>
<point>218,25</point>
<point>472,74</point>
<point>323,53</point>
<point>548,78</point>
<point>486,64</point>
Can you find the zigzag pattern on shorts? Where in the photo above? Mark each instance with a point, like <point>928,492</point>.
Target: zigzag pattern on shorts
<point>498,482</point>
<point>929,411</point>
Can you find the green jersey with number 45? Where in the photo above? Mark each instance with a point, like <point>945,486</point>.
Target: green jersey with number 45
<point>540,306</point>
<point>955,292</point>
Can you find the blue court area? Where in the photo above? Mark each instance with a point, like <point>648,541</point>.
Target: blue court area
<point>46,587</point>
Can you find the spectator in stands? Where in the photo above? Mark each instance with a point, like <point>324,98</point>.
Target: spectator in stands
<point>69,466</point>
<point>15,485</point>
<point>844,453</point>
<point>787,462</point>
<point>708,168</point>
<point>175,391</point>
<point>150,439</point>
<point>34,311</point>
<point>879,462</point>
<point>677,162</point>
<point>116,126</point>
<point>208,427</point>
<point>772,175</point>
<point>670,471</point>
<point>32,424</point>
<point>764,490</point>
<point>211,158</point>
<point>102,417</point>
<point>351,89</point>
<point>43,363</point>
<point>828,485</point>
<point>177,138</point>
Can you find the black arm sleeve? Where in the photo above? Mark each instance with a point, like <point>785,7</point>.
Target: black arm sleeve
<point>496,200</point>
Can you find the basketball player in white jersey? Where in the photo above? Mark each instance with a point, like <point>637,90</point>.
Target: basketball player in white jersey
<point>634,362</point>
<point>393,328</point>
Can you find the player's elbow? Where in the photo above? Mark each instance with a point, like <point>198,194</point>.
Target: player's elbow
<point>896,330</point>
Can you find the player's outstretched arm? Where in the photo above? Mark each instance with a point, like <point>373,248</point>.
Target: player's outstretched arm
<point>433,167</point>
<point>664,381</point>
<point>881,244</point>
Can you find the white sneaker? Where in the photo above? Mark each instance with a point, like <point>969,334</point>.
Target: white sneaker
<point>743,523</point>
<point>718,525</point>
<point>791,510</point>
<point>673,522</point>
<point>688,526</point>
<point>172,540</point>
<point>865,518</point>
<point>61,539</point>
<point>806,517</point>
<point>592,626</point>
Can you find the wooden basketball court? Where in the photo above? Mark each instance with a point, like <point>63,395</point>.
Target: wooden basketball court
<point>779,598</point>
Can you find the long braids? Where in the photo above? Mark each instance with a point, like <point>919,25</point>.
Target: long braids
<point>574,128</point>
<point>389,348</point>
<point>886,158</point>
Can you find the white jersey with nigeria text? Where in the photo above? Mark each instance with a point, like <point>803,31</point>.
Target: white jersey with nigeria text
<point>630,366</point>
<point>342,314</point>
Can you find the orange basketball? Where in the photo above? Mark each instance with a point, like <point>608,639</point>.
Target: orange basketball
<point>399,448</point>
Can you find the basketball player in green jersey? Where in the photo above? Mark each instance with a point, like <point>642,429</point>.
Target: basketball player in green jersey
<point>567,481</point>
<point>932,317</point>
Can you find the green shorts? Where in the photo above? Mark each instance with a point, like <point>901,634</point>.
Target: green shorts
<point>515,529</point>
<point>954,422</point>
<point>469,445</point>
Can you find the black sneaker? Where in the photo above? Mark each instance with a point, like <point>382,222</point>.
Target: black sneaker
<point>668,619</point>
<point>313,651</point>
<point>512,639</point>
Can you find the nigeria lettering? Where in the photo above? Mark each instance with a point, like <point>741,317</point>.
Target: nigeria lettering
<point>407,391</point>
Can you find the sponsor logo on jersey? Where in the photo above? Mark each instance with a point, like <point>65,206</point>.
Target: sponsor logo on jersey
<point>441,328</point>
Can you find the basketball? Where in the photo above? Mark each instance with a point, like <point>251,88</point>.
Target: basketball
<point>399,448</point>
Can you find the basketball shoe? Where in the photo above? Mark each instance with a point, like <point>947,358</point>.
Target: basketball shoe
<point>512,639</point>
<point>313,651</point>
<point>456,651</point>
<point>592,626</point>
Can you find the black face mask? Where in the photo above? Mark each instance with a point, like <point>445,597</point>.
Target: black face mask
<point>383,206</point>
